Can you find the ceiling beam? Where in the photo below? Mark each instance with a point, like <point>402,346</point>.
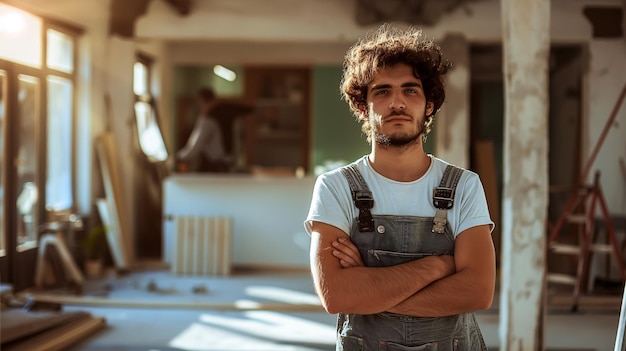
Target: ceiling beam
<point>124,14</point>
<point>182,7</point>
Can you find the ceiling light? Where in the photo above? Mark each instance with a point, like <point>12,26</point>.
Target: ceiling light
<point>224,73</point>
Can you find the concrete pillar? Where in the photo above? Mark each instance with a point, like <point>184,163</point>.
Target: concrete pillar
<point>452,123</point>
<point>526,49</point>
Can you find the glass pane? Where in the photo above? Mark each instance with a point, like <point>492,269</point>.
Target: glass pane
<point>20,36</point>
<point>26,160</point>
<point>2,166</point>
<point>59,151</point>
<point>60,55</point>
<point>150,137</point>
<point>140,79</point>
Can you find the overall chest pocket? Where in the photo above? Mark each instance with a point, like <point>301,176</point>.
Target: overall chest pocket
<point>400,239</point>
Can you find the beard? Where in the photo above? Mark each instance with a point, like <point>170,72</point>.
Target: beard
<point>398,139</point>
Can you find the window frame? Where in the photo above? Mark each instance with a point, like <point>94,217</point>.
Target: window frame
<point>8,244</point>
<point>74,33</point>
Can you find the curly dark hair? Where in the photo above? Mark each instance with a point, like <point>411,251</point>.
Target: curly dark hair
<point>387,46</point>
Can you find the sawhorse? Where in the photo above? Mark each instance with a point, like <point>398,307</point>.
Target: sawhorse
<point>51,234</point>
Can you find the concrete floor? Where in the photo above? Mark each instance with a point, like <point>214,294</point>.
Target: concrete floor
<point>168,327</point>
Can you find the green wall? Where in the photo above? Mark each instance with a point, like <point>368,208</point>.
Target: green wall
<point>336,135</point>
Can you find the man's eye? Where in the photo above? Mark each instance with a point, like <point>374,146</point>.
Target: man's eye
<point>380,92</point>
<point>410,91</point>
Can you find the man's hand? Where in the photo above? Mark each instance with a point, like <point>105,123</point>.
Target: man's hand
<point>347,253</point>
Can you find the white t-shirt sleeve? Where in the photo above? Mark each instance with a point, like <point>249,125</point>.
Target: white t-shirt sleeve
<point>330,202</point>
<point>472,204</point>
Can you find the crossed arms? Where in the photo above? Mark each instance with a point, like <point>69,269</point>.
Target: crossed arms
<point>433,286</point>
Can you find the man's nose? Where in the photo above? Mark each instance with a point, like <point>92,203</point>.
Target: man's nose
<point>397,102</point>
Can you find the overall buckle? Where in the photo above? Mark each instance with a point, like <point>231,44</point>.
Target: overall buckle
<point>364,202</point>
<point>443,197</point>
<point>363,199</point>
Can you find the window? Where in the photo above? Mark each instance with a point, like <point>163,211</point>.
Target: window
<point>20,36</point>
<point>59,168</point>
<point>148,130</point>
<point>60,109</point>
<point>26,182</point>
<point>60,54</point>
<point>40,56</point>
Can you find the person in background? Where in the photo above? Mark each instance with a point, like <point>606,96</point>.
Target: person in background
<point>204,150</point>
<point>401,246</point>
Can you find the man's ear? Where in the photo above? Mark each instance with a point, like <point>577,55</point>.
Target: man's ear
<point>430,107</point>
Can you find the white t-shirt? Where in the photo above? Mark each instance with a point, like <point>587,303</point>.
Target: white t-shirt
<point>205,139</point>
<point>332,199</point>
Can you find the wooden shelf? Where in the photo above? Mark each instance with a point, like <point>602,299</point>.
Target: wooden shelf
<point>278,134</point>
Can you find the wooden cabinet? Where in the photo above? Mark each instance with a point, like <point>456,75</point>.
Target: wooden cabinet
<point>277,135</point>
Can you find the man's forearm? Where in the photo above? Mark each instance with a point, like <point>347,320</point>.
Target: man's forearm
<point>368,290</point>
<point>459,293</point>
<point>471,288</point>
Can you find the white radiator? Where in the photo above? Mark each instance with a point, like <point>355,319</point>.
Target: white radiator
<point>202,245</point>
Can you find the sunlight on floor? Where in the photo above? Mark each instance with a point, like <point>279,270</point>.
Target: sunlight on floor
<point>254,330</point>
<point>282,295</point>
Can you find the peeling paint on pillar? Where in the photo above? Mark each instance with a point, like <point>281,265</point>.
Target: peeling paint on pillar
<point>452,122</point>
<point>526,50</point>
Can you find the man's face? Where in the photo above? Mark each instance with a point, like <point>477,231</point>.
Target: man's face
<point>397,106</point>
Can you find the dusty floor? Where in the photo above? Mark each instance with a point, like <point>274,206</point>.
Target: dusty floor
<point>217,313</point>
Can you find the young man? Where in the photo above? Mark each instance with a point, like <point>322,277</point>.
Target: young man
<point>401,247</point>
<point>204,150</point>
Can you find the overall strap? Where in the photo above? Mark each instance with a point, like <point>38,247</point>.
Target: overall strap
<point>443,197</point>
<point>362,197</point>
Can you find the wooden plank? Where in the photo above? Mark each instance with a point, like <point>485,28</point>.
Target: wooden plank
<point>526,49</point>
<point>61,337</point>
<point>486,167</point>
<point>179,304</point>
<point>117,212</point>
<point>112,233</point>
<point>19,324</point>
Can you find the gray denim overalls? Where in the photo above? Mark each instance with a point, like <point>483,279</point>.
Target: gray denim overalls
<point>385,240</point>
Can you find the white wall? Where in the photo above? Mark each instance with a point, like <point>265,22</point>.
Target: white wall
<point>267,213</point>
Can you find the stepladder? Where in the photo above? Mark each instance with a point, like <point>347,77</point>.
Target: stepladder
<point>585,208</point>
